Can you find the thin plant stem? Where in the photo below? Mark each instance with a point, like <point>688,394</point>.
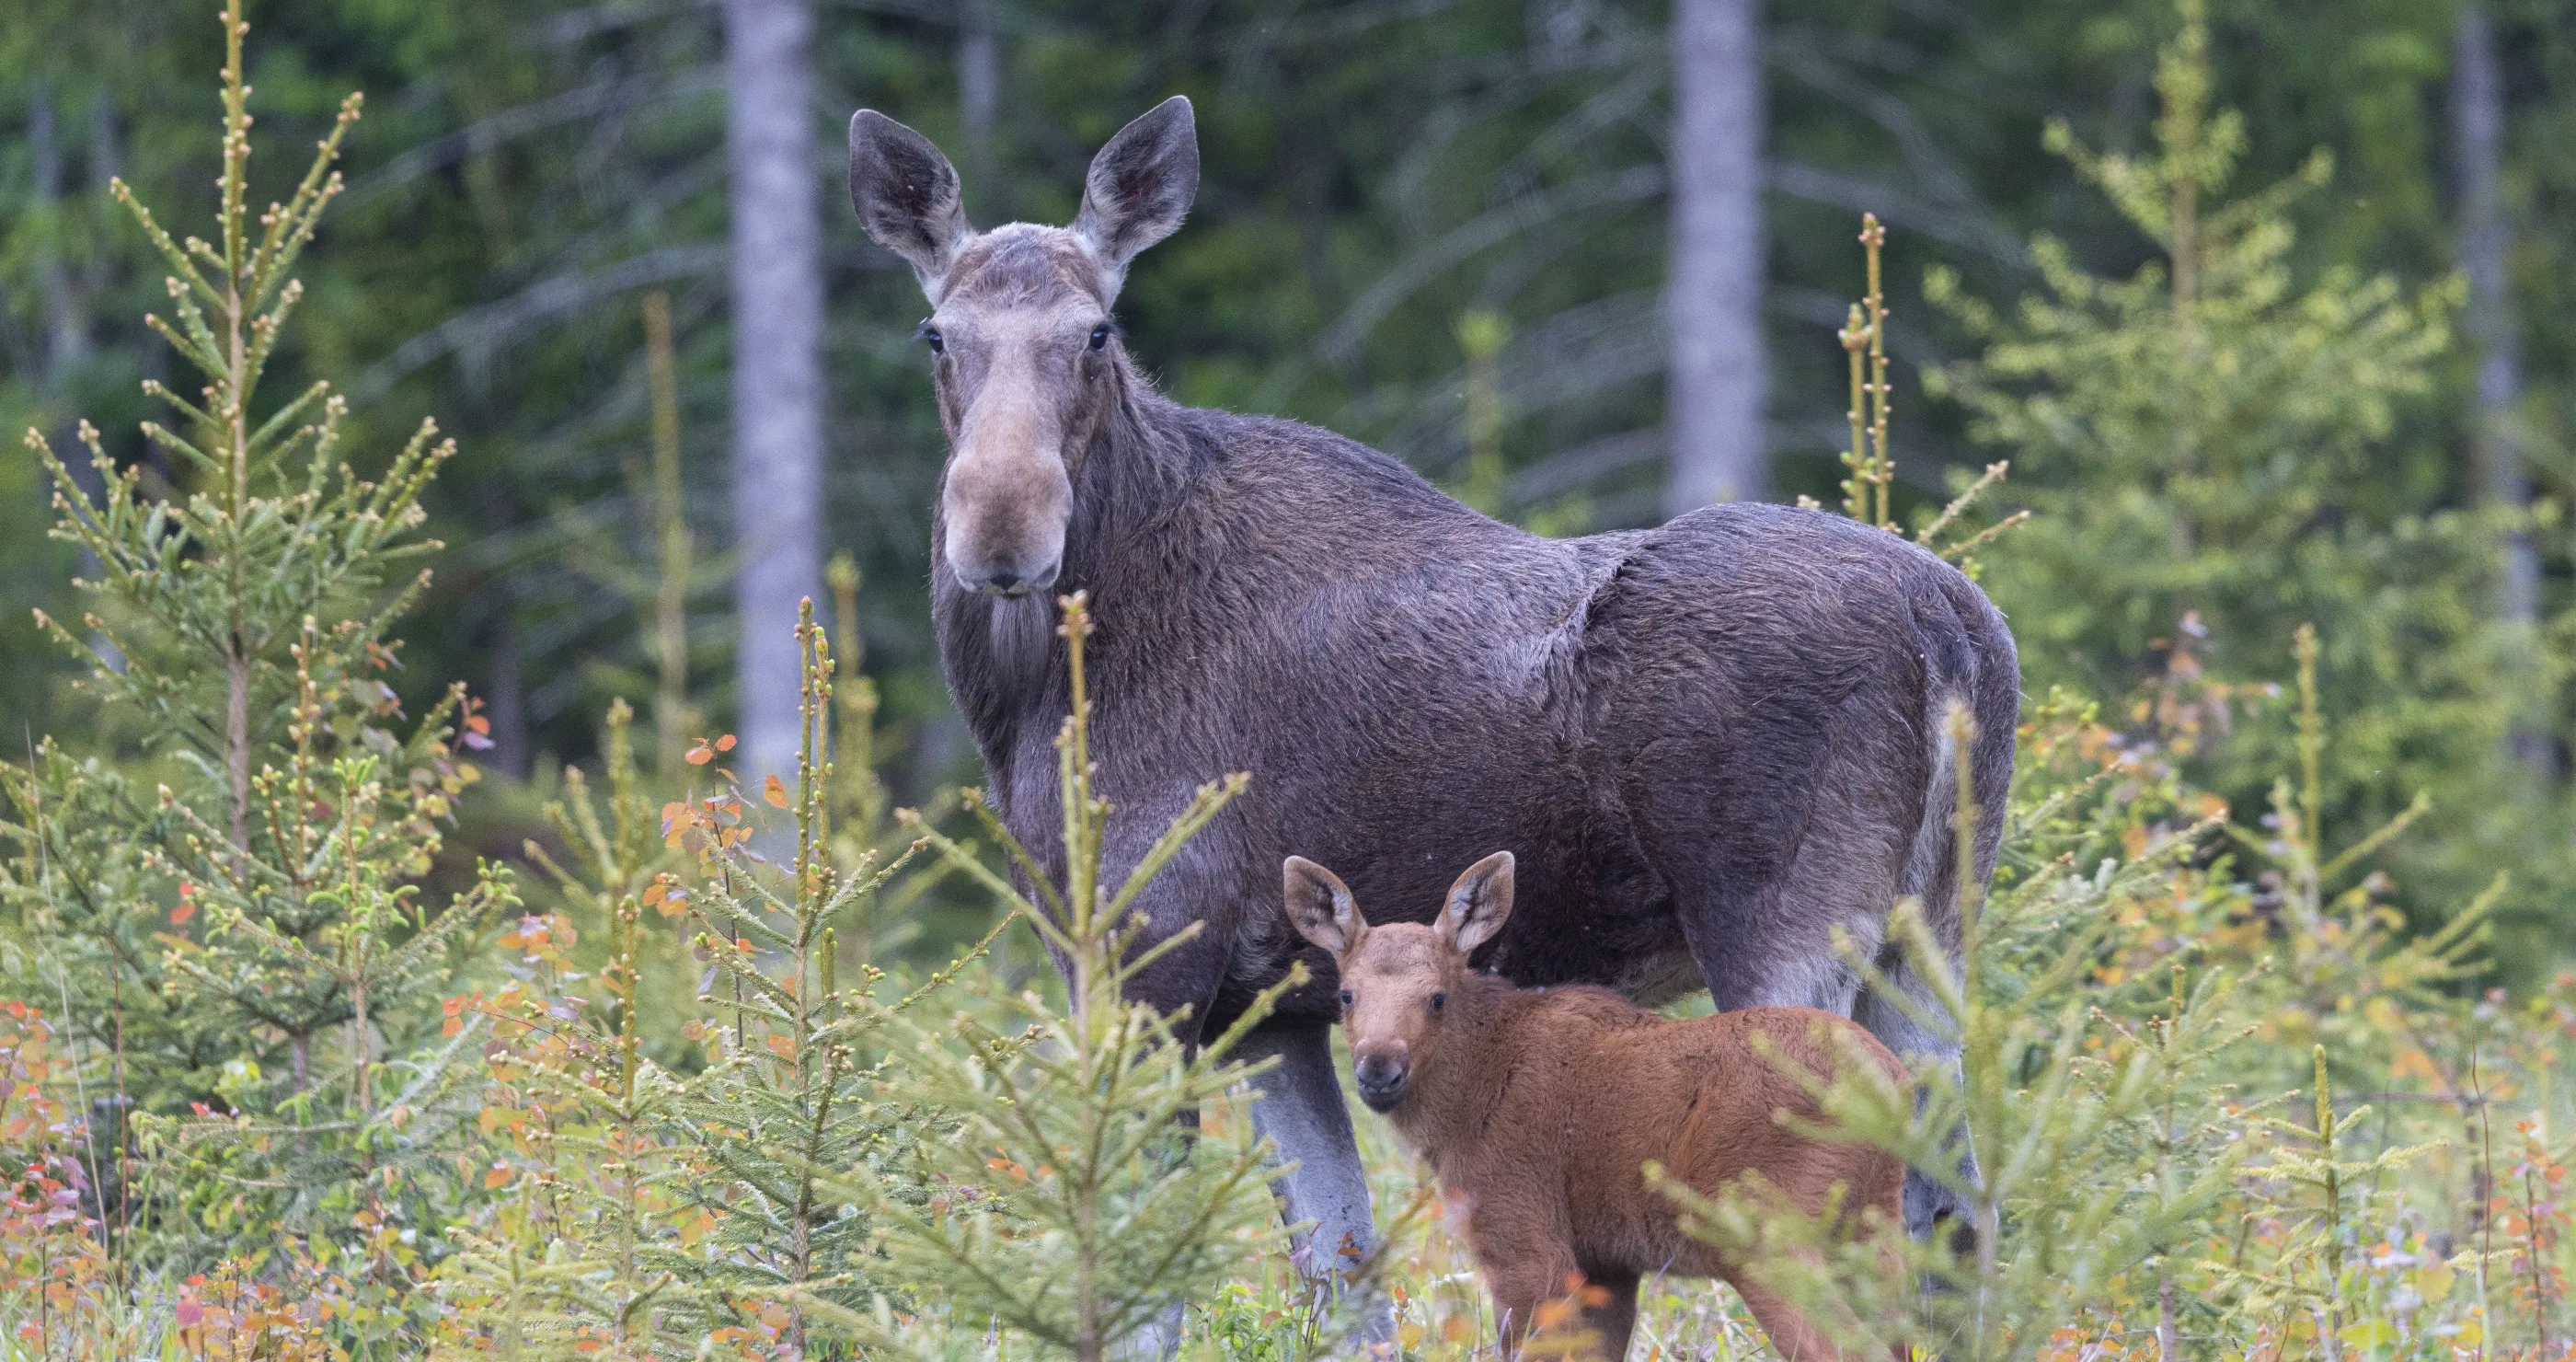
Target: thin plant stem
<point>671,717</point>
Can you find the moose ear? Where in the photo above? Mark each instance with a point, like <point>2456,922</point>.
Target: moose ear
<point>1140,186</point>
<point>1321,908</point>
<point>906,195</point>
<point>1478,903</point>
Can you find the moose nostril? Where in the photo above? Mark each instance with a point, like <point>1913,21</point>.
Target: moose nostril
<point>1378,1075</point>
<point>1012,581</point>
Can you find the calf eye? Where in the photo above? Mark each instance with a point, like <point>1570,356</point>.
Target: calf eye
<point>1100,336</point>
<point>1346,998</point>
<point>1438,1001</point>
<point>930,336</point>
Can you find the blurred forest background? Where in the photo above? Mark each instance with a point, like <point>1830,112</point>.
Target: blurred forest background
<point>1486,235</point>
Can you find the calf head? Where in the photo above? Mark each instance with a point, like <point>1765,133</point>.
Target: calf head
<point>1396,979</point>
<point>1023,351</point>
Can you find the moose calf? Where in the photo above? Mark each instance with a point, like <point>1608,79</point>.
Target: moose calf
<point>1539,1109</point>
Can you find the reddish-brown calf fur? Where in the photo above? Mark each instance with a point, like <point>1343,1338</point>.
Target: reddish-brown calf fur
<point>1539,1109</point>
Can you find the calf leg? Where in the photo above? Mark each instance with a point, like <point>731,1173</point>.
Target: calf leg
<point>1614,1319</point>
<point>1301,1112</point>
<point>1520,1286</point>
<point>1793,1335</point>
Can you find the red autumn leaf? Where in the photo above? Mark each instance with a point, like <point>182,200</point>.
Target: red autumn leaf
<point>699,755</point>
<point>725,743</point>
<point>179,916</point>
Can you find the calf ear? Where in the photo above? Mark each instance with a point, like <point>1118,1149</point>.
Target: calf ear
<point>1140,186</point>
<point>1321,908</point>
<point>906,195</point>
<point>1478,903</point>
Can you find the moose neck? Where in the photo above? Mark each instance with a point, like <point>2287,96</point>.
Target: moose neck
<point>1137,472</point>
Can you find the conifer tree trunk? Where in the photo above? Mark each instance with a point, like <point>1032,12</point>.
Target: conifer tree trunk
<point>1717,375</point>
<point>509,697</point>
<point>2485,247</point>
<point>777,367</point>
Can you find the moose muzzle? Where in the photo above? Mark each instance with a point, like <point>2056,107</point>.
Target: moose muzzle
<point>1007,498</point>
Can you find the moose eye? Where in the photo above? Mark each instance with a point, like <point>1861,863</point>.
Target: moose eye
<point>1438,1001</point>
<point>1346,997</point>
<point>930,336</point>
<point>1100,336</point>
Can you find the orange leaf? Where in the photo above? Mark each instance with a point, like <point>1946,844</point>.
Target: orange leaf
<point>498,1177</point>
<point>782,1046</point>
<point>775,793</point>
<point>725,743</point>
<point>180,915</point>
<point>478,724</point>
<point>699,755</point>
<point>654,894</point>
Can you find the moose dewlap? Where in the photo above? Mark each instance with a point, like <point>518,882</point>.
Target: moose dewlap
<point>1540,1108</point>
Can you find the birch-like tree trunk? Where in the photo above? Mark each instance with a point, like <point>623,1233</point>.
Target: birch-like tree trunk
<point>66,322</point>
<point>1718,376</point>
<point>2485,246</point>
<point>979,92</point>
<point>777,368</point>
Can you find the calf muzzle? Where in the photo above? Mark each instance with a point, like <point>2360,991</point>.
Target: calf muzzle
<point>1381,1081</point>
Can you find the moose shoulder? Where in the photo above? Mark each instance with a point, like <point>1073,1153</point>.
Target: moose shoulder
<point>1711,744</point>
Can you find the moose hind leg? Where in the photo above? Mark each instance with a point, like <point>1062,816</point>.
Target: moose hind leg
<point>1302,1113</point>
<point>1901,1024</point>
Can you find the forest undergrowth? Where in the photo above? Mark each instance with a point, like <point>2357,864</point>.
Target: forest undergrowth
<point>288,1076</point>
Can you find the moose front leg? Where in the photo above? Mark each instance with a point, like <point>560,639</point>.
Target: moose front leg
<point>1301,1112</point>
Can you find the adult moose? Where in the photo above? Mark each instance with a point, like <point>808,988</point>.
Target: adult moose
<point>1710,744</point>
